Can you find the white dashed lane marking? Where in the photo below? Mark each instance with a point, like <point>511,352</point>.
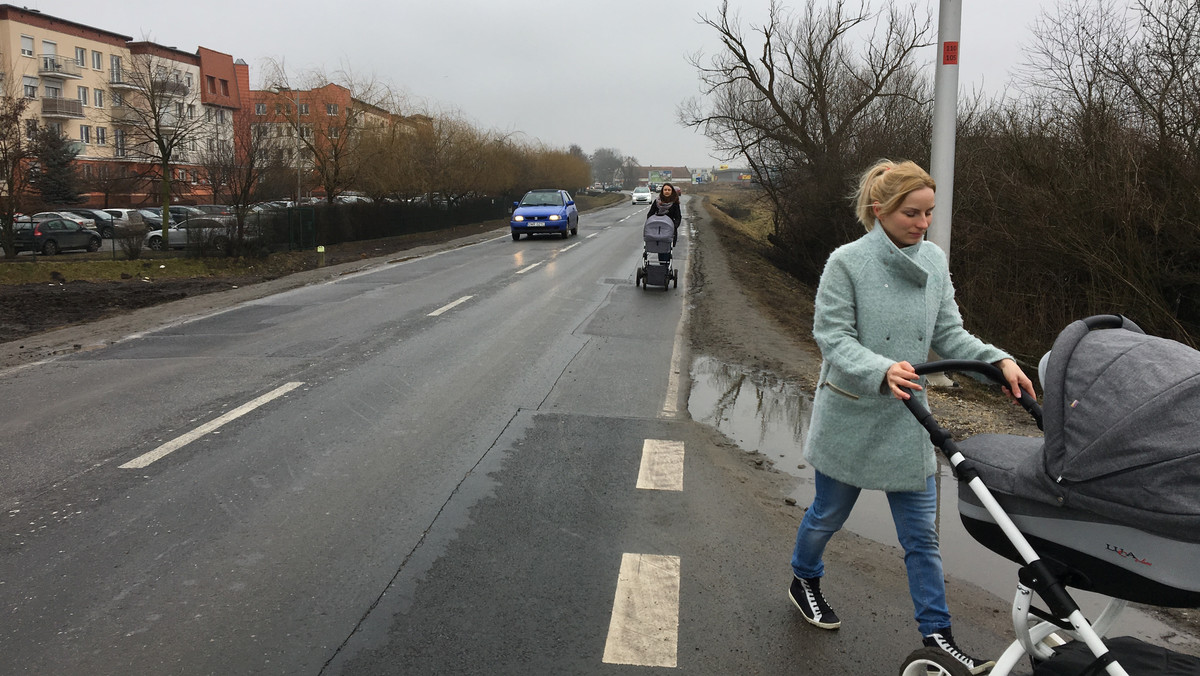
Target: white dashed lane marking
<point>450,306</point>
<point>644,629</point>
<point>527,269</point>
<point>179,442</point>
<point>662,465</point>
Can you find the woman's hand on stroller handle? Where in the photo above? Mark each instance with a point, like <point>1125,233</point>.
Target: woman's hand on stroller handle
<point>1018,382</point>
<point>901,375</point>
<point>990,371</point>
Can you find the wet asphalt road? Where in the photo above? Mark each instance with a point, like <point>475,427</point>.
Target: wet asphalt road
<point>428,467</point>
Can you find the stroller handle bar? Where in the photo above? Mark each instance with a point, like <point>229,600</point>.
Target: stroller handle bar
<point>981,367</point>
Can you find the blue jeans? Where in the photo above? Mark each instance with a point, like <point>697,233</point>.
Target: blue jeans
<point>912,512</point>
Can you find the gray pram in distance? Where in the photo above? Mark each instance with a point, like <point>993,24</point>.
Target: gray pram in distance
<point>656,269</point>
<point>1106,501</point>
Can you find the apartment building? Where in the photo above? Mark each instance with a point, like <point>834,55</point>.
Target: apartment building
<point>63,68</point>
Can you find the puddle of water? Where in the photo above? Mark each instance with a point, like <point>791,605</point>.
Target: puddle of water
<point>765,414</point>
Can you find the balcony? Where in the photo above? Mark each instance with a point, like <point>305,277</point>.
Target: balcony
<point>50,65</point>
<point>136,81</point>
<point>61,108</point>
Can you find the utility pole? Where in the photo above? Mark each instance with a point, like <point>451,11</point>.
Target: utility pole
<point>945,120</point>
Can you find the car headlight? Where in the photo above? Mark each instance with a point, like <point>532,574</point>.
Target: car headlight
<point>518,218</point>
<point>554,217</point>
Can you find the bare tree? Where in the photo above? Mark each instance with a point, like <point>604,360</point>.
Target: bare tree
<point>15,151</point>
<point>154,114</point>
<point>342,107</point>
<point>235,163</point>
<point>797,105</point>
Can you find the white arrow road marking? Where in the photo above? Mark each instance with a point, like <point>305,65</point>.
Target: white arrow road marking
<point>662,465</point>
<point>644,629</point>
<point>179,442</point>
<point>450,306</point>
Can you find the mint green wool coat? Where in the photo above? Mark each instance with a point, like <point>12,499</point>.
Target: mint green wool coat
<point>876,305</point>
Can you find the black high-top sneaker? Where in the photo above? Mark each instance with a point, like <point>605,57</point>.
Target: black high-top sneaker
<point>806,594</point>
<point>943,640</point>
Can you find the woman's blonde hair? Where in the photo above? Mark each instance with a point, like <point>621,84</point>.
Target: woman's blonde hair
<point>887,184</point>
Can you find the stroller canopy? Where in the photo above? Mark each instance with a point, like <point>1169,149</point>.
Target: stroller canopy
<point>659,229</point>
<point>1122,429</point>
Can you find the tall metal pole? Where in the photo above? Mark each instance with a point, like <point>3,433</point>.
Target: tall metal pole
<point>297,147</point>
<point>945,118</point>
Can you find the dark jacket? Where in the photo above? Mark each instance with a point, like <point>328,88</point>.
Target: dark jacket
<point>675,214</point>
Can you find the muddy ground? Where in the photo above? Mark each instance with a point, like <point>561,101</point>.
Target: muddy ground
<point>743,311</point>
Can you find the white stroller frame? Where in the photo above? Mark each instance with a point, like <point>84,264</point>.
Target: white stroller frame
<point>1036,575</point>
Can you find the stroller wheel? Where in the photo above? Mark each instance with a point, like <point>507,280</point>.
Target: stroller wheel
<point>932,662</point>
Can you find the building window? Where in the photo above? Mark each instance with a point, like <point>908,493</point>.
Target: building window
<point>335,132</point>
<point>31,86</point>
<point>119,142</point>
<point>116,73</point>
<point>31,127</point>
<point>224,87</point>
<point>331,109</point>
<point>80,57</point>
<point>98,95</point>
<point>84,99</point>
<point>53,92</point>
<point>212,84</point>
<point>85,133</point>
<point>260,109</point>
<point>304,109</point>
<point>187,79</point>
<point>306,131</point>
<point>26,45</point>
<point>101,136</point>
<point>221,116</point>
<point>97,60</point>
<point>191,111</point>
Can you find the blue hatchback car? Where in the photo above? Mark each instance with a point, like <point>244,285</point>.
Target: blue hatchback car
<point>545,211</point>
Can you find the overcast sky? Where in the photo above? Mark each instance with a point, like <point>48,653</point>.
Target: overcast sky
<point>599,74</point>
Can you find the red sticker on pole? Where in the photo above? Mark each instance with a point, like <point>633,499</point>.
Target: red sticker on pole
<point>950,53</point>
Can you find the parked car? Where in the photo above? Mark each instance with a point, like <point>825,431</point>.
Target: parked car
<point>66,215</point>
<point>544,211</point>
<point>54,235</point>
<point>612,188</point>
<point>642,195</point>
<point>216,209</point>
<point>125,220</point>
<point>200,232</point>
<point>180,213</point>
<point>152,217</point>
<point>104,221</point>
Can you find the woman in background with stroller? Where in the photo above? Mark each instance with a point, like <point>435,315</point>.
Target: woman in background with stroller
<point>667,204</point>
<point>883,302</point>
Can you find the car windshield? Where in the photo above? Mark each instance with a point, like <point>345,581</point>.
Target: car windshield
<point>641,189</point>
<point>541,199</point>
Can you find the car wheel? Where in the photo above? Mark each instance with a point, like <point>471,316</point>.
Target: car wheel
<point>107,233</point>
<point>221,244</point>
<point>566,234</point>
<point>50,247</point>
<point>516,236</point>
<point>94,245</point>
<point>155,243</point>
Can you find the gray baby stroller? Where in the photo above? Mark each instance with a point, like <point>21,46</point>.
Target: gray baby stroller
<point>656,268</point>
<point>1105,502</point>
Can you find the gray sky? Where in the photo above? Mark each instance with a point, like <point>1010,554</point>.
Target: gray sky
<point>597,74</point>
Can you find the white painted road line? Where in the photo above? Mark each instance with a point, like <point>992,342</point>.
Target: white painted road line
<point>592,235</point>
<point>662,465</point>
<point>569,247</point>
<point>450,306</point>
<point>524,270</point>
<point>180,442</point>
<point>644,629</point>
